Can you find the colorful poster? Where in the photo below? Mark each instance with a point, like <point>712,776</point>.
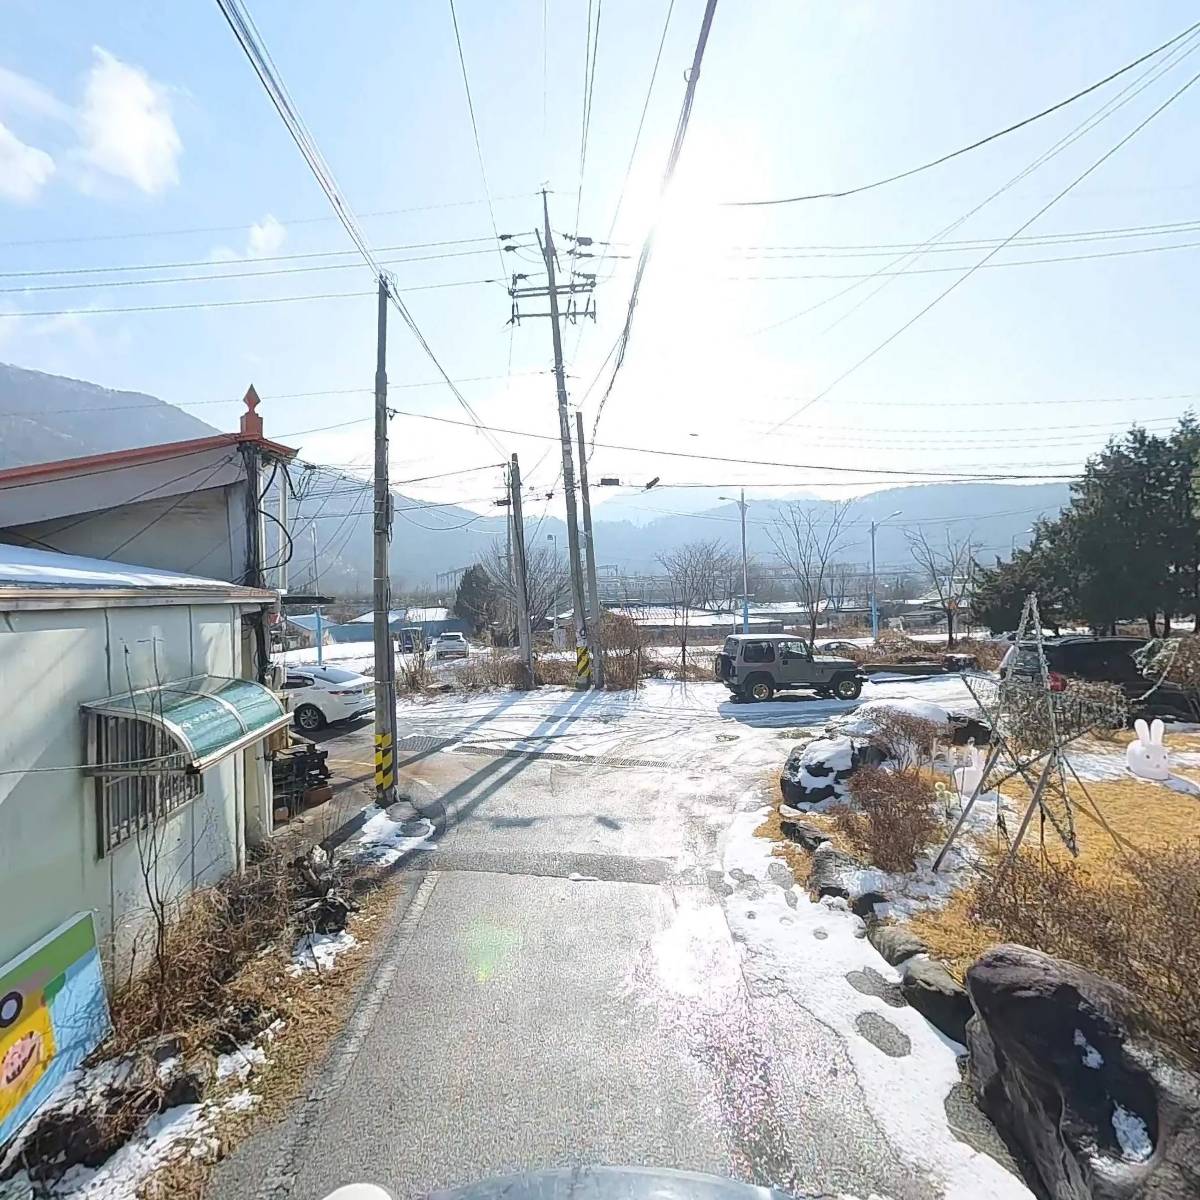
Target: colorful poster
<point>53,1013</point>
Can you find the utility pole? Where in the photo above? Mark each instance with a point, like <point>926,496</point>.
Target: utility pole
<point>524,632</point>
<point>593,587</point>
<point>564,431</point>
<point>385,661</point>
<point>320,630</point>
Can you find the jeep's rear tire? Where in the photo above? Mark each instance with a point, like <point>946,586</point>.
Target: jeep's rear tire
<point>759,688</point>
<point>847,687</point>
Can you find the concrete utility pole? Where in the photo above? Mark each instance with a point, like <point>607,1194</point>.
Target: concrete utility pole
<point>385,661</point>
<point>320,630</point>
<point>593,587</point>
<point>874,601</point>
<point>564,430</point>
<point>524,631</point>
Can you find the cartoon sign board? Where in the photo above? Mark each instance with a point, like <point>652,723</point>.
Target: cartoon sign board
<point>53,1013</point>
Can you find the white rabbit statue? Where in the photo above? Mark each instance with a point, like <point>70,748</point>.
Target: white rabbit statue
<point>966,778</point>
<point>1147,758</point>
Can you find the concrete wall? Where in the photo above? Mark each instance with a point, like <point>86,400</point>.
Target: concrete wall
<point>203,533</point>
<point>50,663</point>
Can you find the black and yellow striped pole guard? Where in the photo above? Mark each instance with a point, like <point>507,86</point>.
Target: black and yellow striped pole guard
<point>385,768</point>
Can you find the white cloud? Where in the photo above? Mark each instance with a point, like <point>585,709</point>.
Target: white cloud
<point>19,93</point>
<point>23,169</point>
<point>265,237</point>
<point>126,127</point>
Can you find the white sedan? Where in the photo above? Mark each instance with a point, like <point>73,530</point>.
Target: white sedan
<point>323,695</point>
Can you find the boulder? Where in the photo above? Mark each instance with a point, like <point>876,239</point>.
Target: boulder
<point>799,831</point>
<point>817,771</point>
<point>1074,1078</point>
<point>895,943</point>
<point>862,903</point>
<point>834,873</point>
<point>937,996</point>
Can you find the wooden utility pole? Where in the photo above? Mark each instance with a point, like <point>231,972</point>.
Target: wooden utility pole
<point>385,660</point>
<point>524,630</point>
<point>589,545</point>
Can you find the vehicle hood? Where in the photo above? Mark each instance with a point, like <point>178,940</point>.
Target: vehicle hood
<point>611,1183</point>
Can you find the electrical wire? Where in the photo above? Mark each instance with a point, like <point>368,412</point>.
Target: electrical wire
<point>1099,115</point>
<point>592,50</point>
<point>220,275</point>
<point>487,191</point>
<point>866,187</point>
<point>971,270</point>
<point>681,128</point>
<point>193,305</point>
<point>256,52</point>
<point>749,462</point>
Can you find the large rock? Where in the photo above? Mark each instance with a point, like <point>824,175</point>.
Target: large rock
<point>817,771</point>
<point>801,832</point>
<point>1071,1075</point>
<point>937,996</point>
<point>895,943</point>
<point>834,872</point>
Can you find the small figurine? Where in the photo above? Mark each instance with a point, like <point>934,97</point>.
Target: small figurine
<point>1147,758</point>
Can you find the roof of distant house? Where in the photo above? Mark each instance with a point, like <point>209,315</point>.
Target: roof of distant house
<point>27,573</point>
<point>411,616</point>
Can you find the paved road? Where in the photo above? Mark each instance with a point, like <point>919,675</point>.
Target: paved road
<point>560,987</point>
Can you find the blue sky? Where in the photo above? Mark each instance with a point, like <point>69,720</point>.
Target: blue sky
<point>126,123</point>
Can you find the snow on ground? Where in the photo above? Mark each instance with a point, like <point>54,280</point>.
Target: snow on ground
<point>810,949</point>
<point>384,840</point>
<point>664,721</point>
<point>319,951</point>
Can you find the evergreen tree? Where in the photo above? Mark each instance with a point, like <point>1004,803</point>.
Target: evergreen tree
<point>477,600</point>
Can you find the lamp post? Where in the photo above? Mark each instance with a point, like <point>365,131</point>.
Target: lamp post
<point>874,601</point>
<point>740,501</point>
<point>320,631</point>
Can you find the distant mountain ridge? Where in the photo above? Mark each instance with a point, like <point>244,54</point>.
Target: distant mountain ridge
<point>45,417</point>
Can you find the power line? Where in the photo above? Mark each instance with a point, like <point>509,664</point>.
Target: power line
<point>971,270</point>
<point>252,45</point>
<point>681,128</point>
<point>866,187</point>
<point>24,289</point>
<point>241,227</point>
<point>141,308</point>
<point>591,50</point>
<point>1103,113</point>
<point>210,262</point>
<point>749,462</point>
<point>487,191</point>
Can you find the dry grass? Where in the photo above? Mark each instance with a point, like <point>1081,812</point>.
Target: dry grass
<point>891,819</point>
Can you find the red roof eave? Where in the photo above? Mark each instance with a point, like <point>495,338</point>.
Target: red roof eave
<point>91,463</point>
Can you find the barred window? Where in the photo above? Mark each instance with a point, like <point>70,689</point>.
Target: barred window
<point>140,778</point>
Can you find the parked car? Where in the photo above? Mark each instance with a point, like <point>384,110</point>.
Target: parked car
<point>756,666</point>
<point>840,648</point>
<point>321,696</point>
<point>1100,660</point>
<point>450,645</point>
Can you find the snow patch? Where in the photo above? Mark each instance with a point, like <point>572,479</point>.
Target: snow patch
<point>1091,1056</point>
<point>238,1064</point>
<point>319,951</point>
<point>777,941</point>
<point>242,1101</point>
<point>1132,1135</point>
<point>384,840</point>
<point>864,720</point>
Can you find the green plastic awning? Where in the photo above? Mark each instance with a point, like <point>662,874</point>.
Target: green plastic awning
<point>207,716</point>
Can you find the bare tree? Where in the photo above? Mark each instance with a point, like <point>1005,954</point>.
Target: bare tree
<point>690,573</point>
<point>807,538</point>
<point>545,580</point>
<point>841,579</point>
<point>946,566</point>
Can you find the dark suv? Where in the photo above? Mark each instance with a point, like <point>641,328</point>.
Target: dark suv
<point>1100,660</point>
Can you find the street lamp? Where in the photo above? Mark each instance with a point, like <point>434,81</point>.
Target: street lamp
<point>874,602</point>
<point>1012,543</point>
<point>741,503</point>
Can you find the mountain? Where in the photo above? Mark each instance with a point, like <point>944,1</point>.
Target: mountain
<point>46,417</point>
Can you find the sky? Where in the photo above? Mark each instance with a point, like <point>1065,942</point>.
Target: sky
<point>135,134</point>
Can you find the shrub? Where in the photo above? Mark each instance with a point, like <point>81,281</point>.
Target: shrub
<point>1140,928</point>
<point>904,738</point>
<point>891,819</point>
